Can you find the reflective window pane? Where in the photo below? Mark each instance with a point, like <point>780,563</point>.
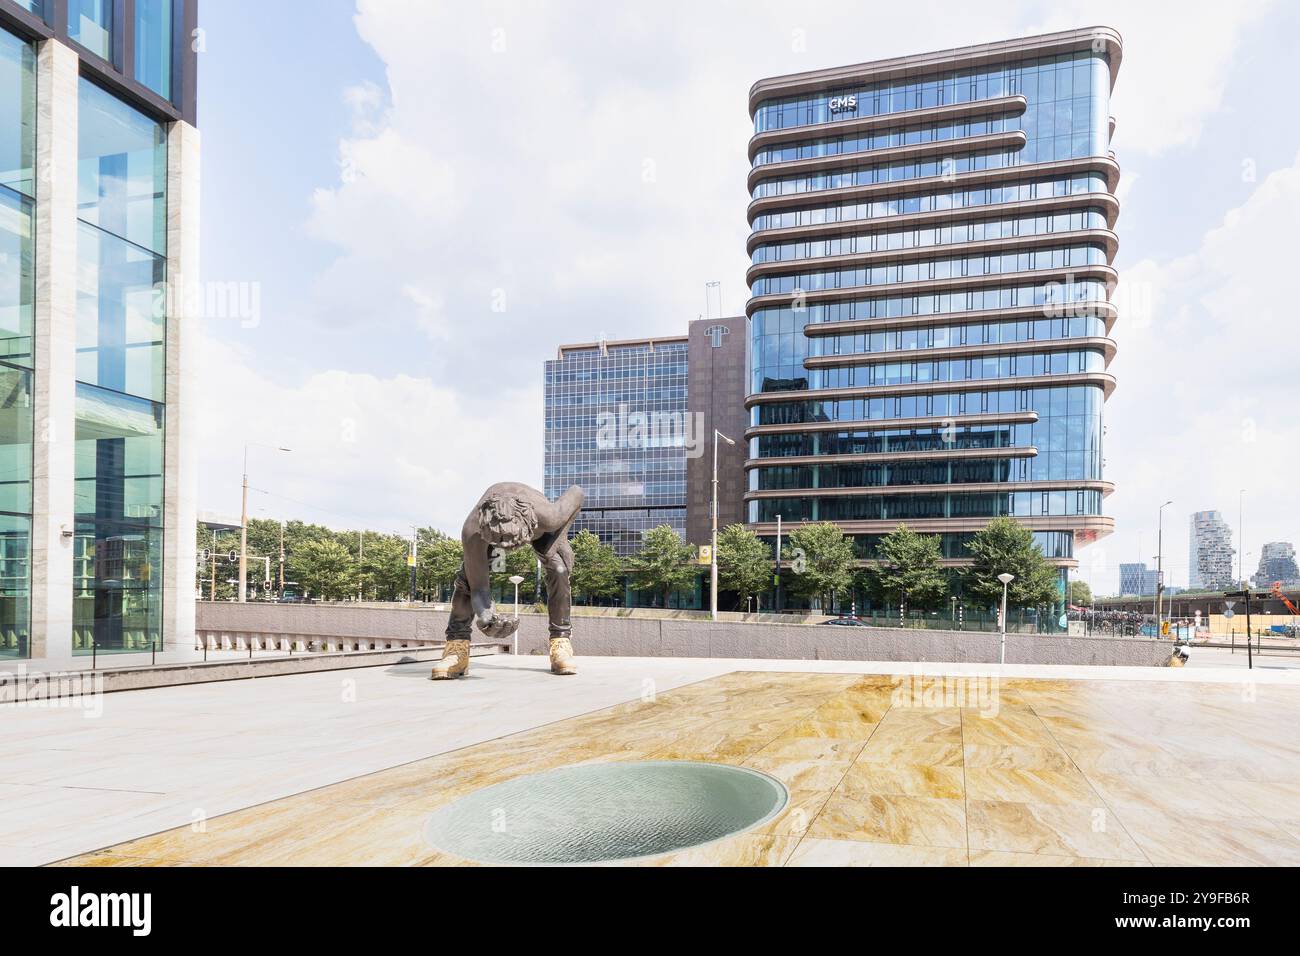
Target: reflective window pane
<point>15,508</point>
<point>117,547</point>
<point>119,458</point>
<point>15,440</point>
<point>120,323</point>
<point>153,45</point>
<point>15,585</point>
<point>90,23</point>
<point>121,169</point>
<point>17,114</point>
<point>17,279</point>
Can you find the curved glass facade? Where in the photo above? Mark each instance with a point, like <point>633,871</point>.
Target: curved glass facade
<point>1067,102</point>
<point>954,354</point>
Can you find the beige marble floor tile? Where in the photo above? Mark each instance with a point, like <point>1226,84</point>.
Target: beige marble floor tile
<point>889,752</point>
<point>802,774</point>
<point>798,815</point>
<point>110,858</point>
<point>890,818</point>
<point>743,850</point>
<point>1054,829</point>
<point>231,834</point>
<point>1031,786</point>
<point>1289,827</point>
<point>711,746</point>
<point>829,729</point>
<point>1204,798</point>
<point>813,852</point>
<point>991,757</point>
<point>1272,799</point>
<point>847,710</point>
<point>371,838</point>
<point>810,748</point>
<point>1179,839</point>
<point>915,780</point>
<point>995,732</point>
<point>1003,858</point>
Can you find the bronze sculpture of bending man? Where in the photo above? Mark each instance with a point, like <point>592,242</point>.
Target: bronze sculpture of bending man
<point>508,516</point>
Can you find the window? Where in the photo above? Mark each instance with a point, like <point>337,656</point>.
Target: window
<point>17,114</point>
<point>153,45</point>
<point>117,546</point>
<point>120,320</point>
<point>90,23</point>
<point>121,169</point>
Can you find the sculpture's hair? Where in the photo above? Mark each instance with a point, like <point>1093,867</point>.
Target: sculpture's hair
<point>507,521</point>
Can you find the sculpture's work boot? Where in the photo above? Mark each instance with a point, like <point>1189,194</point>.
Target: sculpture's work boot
<point>562,661</point>
<point>454,663</point>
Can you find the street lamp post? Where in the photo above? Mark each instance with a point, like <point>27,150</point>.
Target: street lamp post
<point>713,550</point>
<point>777,596</point>
<point>516,580</point>
<point>243,523</point>
<point>1006,579</point>
<point>1160,560</point>
<point>1241,536</point>
<point>413,558</point>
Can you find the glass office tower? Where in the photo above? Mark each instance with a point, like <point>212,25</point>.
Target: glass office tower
<point>930,293</point>
<point>617,424</point>
<point>96,469</point>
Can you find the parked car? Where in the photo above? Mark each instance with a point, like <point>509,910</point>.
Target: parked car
<point>847,621</point>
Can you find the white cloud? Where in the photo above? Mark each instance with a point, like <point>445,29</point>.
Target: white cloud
<point>1176,63</point>
<point>383,452</point>
<point>1206,403</point>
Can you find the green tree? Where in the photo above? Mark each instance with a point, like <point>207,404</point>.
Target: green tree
<point>1005,546</point>
<point>439,561</point>
<point>326,569</point>
<point>596,568</point>
<point>384,573</point>
<point>664,562</point>
<point>744,562</point>
<point>506,565</point>
<point>821,561</point>
<point>1080,593</point>
<point>909,572</point>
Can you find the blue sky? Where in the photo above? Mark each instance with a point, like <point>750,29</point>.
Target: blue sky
<point>430,197</point>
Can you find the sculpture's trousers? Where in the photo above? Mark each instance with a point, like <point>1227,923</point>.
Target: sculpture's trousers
<point>559,597</point>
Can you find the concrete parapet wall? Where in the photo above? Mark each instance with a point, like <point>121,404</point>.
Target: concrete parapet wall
<point>641,637</point>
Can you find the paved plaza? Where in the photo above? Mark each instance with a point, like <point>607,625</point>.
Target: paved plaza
<point>969,765</point>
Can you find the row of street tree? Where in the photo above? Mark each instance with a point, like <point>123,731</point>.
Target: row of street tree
<point>818,563</point>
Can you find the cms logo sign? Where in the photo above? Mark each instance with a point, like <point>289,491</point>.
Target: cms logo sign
<point>840,104</point>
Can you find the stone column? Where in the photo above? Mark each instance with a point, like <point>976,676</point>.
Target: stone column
<point>54,352</point>
<point>180,455</point>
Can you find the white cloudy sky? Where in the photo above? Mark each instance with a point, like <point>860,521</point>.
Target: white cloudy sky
<point>431,196</point>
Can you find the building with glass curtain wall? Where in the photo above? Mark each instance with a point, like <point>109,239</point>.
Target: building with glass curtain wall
<point>99,205</point>
<point>615,419</point>
<point>930,293</point>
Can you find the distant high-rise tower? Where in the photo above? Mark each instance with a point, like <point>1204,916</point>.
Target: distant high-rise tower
<point>1210,558</point>
<point>1277,563</point>
<point>1136,579</point>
